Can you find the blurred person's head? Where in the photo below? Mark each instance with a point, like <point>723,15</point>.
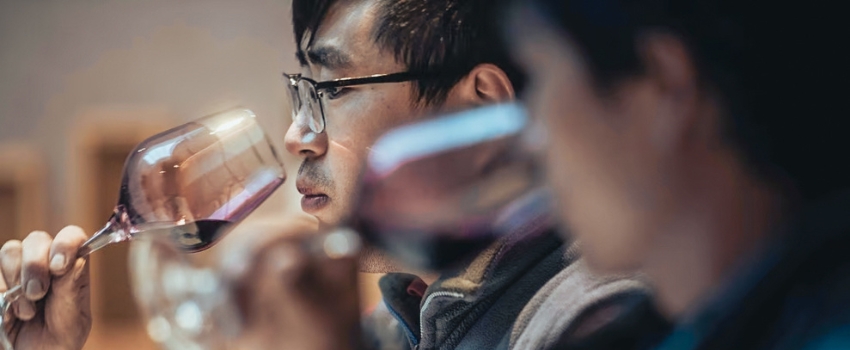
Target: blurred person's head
<point>672,121</point>
<point>455,58</point>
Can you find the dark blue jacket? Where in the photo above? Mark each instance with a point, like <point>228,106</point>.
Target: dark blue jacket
<point>796,295</point>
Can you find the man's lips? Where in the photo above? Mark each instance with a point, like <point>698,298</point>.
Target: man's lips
<point>314,203</point>
<point>313,200</point>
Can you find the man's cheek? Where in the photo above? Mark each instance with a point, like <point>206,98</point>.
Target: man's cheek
<point>345,168</point>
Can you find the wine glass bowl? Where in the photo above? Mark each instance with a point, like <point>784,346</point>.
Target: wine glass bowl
<point>198,179</point>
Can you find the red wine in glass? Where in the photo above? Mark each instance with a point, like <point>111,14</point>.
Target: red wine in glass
<point>190,184</point>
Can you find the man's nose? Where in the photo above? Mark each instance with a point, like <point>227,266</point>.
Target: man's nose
<point>303,142</point>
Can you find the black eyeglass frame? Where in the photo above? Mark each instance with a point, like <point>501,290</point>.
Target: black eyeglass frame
<point>322,86</point>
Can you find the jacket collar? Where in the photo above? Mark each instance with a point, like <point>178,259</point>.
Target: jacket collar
<point>450,307</point>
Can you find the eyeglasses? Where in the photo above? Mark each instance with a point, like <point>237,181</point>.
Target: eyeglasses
<point>308,94</point>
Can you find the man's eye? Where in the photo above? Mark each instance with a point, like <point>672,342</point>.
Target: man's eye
<point>335,92</point>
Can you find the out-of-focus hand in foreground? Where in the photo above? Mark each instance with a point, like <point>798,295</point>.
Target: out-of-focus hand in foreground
<point>296,289</point>
<point>54,312</point>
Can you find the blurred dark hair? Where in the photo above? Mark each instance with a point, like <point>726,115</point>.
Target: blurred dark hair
<point>773,67</point>
<point>443,39</point>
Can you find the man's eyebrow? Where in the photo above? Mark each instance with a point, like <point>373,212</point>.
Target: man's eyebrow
<point>327,57</point>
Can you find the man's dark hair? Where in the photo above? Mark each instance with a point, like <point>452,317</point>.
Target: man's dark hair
<point>440,39</point>
<point>773,69</point>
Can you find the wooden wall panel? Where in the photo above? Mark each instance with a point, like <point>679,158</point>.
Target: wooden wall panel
<point>8,212</point>
<point>22,191</point>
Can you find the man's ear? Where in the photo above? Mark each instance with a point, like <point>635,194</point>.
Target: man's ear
<point>669,63</point>
<point>673,73</point>
<point>485,84</point>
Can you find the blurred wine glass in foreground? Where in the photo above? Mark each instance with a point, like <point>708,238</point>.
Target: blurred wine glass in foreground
<point>437,191</point>
<point>189,184</point>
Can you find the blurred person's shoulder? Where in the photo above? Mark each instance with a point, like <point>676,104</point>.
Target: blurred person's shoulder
<point>580,309</point>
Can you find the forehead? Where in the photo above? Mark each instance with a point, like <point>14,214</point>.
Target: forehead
<point>348,29</point>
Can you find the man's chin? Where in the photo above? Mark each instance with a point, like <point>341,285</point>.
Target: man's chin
<point>329,219</point>
<point>375,260</point>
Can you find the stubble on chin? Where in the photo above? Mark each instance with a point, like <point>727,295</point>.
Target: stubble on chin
<point>376,260</point>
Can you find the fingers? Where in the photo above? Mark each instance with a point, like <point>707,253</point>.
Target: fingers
<point>63,251</point>
<point>35,265</point>
<point>10,263</point>
<point>25,263</point>
<point>30,263</point>
<point>35,276</point>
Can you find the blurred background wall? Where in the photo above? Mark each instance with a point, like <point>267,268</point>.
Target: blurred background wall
<point>81,82</point>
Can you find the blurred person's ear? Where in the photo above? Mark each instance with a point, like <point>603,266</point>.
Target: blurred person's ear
<point>671,72</point>
<point>485,84</point>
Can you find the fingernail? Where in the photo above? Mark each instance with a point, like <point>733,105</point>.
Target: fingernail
<point>58,262</point>
<point>79,266</point>
<point>34,288</point>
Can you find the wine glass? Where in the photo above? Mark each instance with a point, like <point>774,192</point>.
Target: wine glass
<point>190,184</point>
<point>440,190</point>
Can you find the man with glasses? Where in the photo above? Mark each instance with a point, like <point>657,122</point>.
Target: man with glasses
<point>366,67</point>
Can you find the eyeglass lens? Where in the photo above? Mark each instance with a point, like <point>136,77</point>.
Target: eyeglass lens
<point>294,100</point>
<point>305,100</point>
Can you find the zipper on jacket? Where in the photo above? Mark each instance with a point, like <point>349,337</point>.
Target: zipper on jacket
<point>442,293</point>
